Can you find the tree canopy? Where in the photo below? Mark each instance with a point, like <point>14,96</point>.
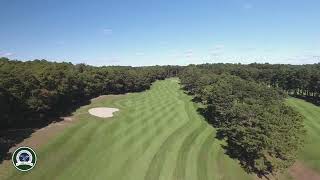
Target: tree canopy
<point>40,89</point>
<point>260,130</point>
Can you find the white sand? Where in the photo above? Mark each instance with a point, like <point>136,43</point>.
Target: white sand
<point>103,112</point>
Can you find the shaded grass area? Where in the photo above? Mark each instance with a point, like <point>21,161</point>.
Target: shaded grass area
<point>311,152</point>
<point>157,134</point>
<point>311,99</point>
<point>10,138</point>
<point>13,136</point>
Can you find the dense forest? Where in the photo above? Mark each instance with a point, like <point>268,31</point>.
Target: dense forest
<point>37,90</point>
<point>300,80</point>
<point>246,103</point>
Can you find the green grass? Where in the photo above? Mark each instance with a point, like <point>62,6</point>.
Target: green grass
<point>156,135</point>
<point>311,152</point>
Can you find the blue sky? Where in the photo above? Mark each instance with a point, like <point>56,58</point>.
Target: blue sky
<point>149,32</point>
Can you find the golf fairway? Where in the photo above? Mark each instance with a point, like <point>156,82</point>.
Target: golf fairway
<point>157,135</point>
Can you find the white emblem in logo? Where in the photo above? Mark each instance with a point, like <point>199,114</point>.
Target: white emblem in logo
<point>24,158</point>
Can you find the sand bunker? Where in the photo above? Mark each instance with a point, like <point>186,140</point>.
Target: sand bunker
<point>103,112</point>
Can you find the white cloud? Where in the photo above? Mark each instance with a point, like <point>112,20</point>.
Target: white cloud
<point>107,31</point>
<point>317,57</point>
<point>298,59</point>
<point>5,54</point>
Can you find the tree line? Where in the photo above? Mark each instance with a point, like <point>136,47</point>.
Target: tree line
<point>260,130</point>
<point>36,90</point>
<point>301,80</point>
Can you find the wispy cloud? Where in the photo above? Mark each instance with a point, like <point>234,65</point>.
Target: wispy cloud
<point>219,47</point>
<point>174,54</point>
<point>317,57</point>
<point>107,31</point>
<point>302,59</point>
<point>113,59</point>
<point>188,53</point>
<point>139,53</point>
<point>106,61</point>
<point>215,54</point>
<point>248,49</point>
<point>5,54</point>
<point>217,50</point>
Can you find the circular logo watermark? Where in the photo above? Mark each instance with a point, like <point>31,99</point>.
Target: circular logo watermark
<point>24,158</point>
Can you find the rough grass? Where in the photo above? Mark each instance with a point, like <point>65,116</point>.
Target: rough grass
<point>156,135</point>
<point>311,152</point>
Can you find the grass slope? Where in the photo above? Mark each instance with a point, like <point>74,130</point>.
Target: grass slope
<point>156,135</point>
<point>311,152</point>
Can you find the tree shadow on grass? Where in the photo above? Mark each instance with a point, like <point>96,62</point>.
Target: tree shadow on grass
<point>310,99</point>
<point>10,137</point>
<point>211,119</point>
<point>233,150</point>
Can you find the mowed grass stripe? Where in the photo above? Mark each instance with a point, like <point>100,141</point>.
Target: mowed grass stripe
<point>310,154</point>
<point>71,168</point>
<point>134,126</point>
<point>68,134</point>
<point>129,147</point>
<point>140,134</point>
<point>310,113</point>
<point>158,161</point>
<point>195,121</point>
<point>62,157</point>
<point>191,167</point>
<point>157,134</point>
<point>166,124</point>
<point>190,140</point>
<point>180,170</point>
<point>119,160</point>
<point>202,161</point>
